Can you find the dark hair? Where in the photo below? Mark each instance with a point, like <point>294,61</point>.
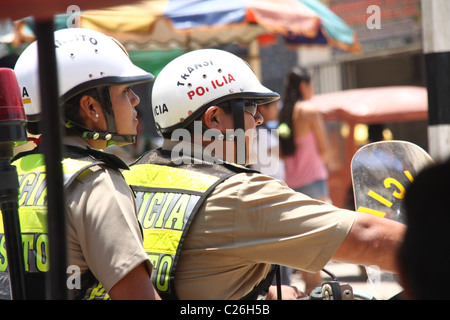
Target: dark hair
<point>424,251</point>
<point>71,114</point>
<point>291,95</point>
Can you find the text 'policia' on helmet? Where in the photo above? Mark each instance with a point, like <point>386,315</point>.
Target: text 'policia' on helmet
<point>198,79</point>
<point>85,59</point>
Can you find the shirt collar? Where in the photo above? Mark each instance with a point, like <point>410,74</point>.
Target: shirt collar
<point>189,149</point>
<point>74,141</point>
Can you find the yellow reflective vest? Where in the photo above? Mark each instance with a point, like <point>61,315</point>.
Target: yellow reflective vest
<point>33,223</point>
<point>167,197</point>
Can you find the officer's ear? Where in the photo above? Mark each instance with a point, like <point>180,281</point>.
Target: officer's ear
<point>90,109</point>
<point>214,118</point>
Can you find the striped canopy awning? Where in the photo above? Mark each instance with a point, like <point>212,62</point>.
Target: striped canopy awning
<point>191,24</point>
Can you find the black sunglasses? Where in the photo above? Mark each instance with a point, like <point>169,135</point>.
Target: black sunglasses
<point>249,106</point>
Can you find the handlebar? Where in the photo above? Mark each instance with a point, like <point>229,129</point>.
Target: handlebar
<point>334,290</point>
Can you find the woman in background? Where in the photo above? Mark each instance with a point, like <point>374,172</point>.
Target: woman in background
<point>304,146</point>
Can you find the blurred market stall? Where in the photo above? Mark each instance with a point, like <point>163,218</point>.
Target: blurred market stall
<point>346,112</point>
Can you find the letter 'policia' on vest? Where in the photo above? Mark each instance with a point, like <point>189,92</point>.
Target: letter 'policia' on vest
<point>168,196</point>
<point>167,199</point>
<point>33,219</point>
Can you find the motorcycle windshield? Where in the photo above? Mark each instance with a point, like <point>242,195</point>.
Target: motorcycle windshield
<point>381,171</point>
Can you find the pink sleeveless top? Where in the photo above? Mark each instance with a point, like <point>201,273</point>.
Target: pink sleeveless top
<point>305,165</point>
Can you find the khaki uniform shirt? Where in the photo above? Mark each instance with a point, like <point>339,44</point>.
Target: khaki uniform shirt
<point>249,222</point>
<point>103,232</point>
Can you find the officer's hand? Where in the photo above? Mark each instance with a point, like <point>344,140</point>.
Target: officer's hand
<point>287,293</point>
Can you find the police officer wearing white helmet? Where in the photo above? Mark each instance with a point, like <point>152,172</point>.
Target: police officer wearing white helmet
<point>104,237</point>
<point>214,228</point>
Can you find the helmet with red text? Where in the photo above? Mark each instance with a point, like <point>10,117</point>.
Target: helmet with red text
<point>196,80</point>
<point>86,59</point>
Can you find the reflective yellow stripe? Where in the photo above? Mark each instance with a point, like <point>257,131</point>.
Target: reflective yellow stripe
<point>156,176</point>
<point>36,163</point>
<point>98,292</point>
<point>33,209</point>
<point>32,220</point>
<point>33,162</point>
<point>165,203</point>
<point>161,241</point>
<point>371,211</point>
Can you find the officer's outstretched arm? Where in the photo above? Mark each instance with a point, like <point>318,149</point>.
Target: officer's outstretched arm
<point>372,241</point>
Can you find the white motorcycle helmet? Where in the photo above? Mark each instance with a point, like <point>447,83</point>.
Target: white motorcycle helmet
<point>196,80</point>
<point>86,59</point>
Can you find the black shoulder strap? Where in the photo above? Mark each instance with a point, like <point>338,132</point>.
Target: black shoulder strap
<point>224,171</point>
<point>263,287</point>
<point>164,157</point>
<point>88,154</point>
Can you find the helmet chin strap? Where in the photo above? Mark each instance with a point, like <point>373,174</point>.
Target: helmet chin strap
<point>237,110</point>
<point>111,138</point>
<point>105,101</point>
<point>110,135</point>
